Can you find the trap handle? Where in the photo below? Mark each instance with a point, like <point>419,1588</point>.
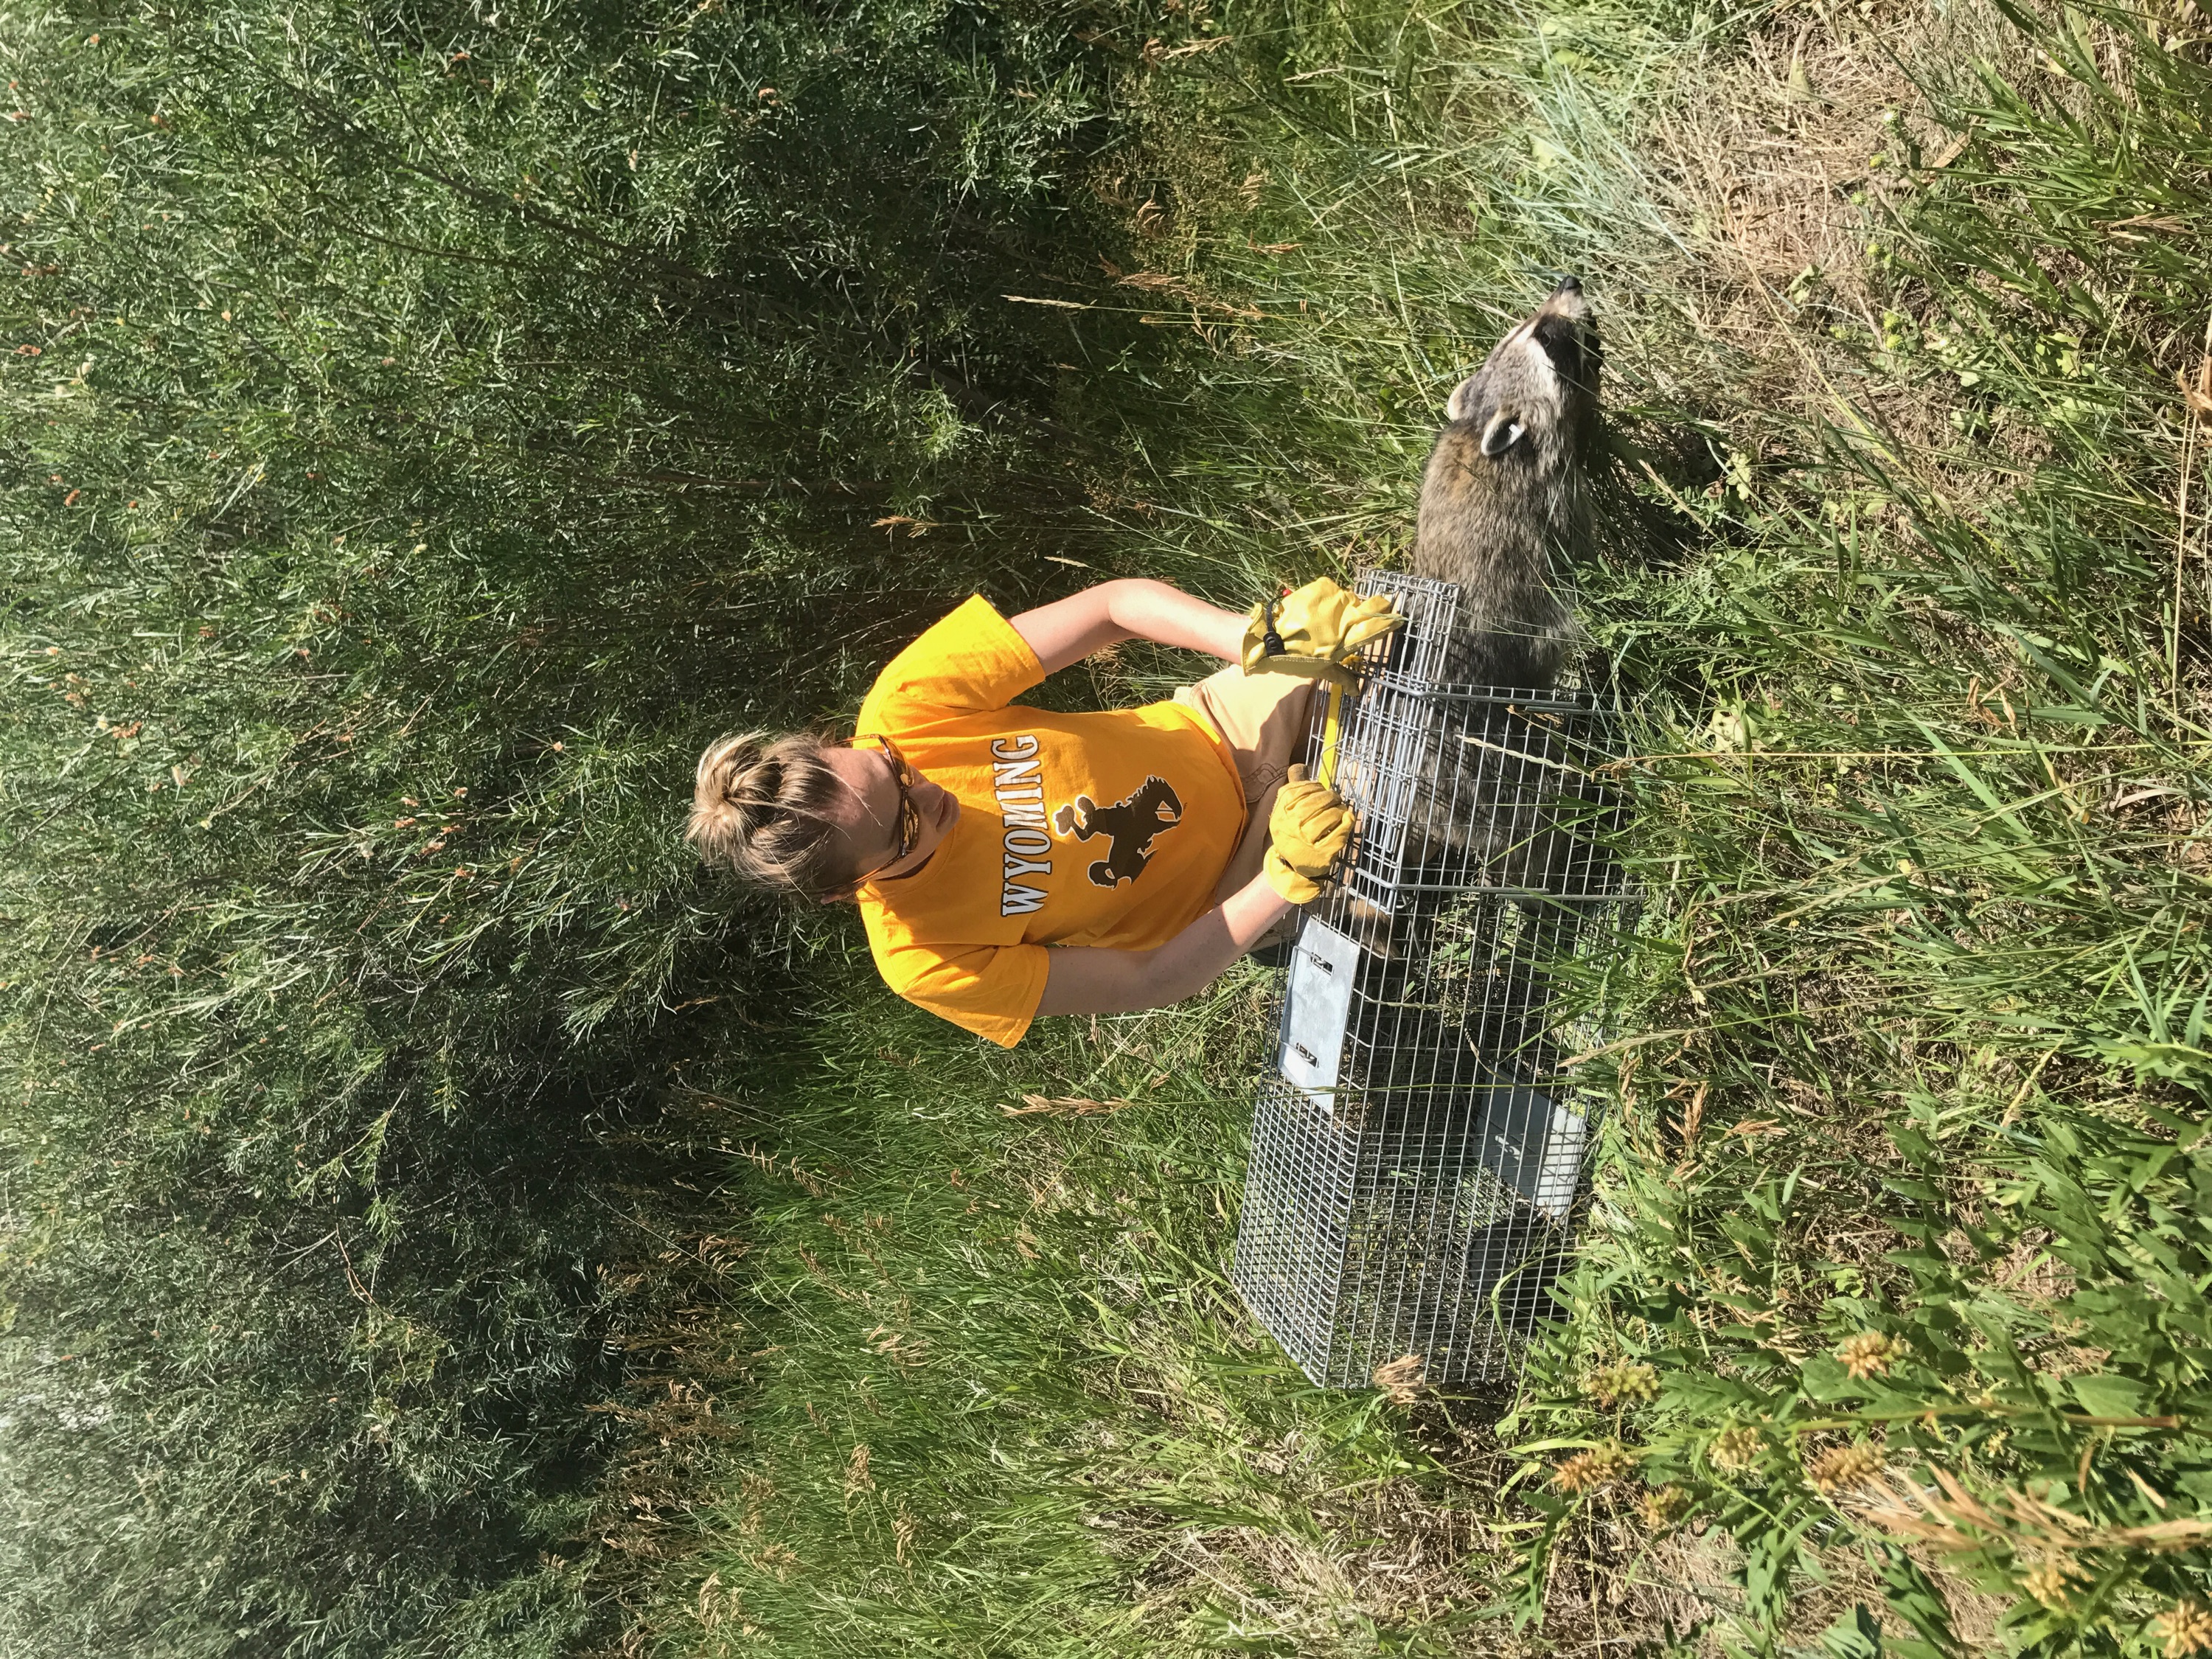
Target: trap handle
<point>1325,770</point>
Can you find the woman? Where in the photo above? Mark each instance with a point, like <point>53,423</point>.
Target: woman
<point>1011,861</point>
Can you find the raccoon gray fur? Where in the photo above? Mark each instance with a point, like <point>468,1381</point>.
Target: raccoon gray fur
<point>1507,494</point>
<point>1507,497</point>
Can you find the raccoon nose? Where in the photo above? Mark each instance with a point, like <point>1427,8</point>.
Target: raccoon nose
<point>1569,285</point>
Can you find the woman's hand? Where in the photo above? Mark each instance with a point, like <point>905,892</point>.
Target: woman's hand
<point>1307,833</point>
<point>1317,631</point>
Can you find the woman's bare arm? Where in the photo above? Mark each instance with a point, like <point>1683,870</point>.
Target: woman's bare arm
<point>1089,980</point>
<point>1092,980</point>
<point>1068,630</point>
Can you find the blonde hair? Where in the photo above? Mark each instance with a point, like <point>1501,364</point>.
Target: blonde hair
<point>760,809</point>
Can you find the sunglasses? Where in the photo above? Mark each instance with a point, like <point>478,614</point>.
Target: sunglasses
<point>909,819</point>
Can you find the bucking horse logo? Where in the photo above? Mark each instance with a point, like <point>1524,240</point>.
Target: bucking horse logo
<point>1131,822</point>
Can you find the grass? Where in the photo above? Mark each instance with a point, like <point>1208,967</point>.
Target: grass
<point>1000,1397</point>
<point>545,1250</point>
<point>408,476</point>
<point>1901,1122</point>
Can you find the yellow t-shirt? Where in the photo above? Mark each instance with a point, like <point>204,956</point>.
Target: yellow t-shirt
<point>1108,829</point>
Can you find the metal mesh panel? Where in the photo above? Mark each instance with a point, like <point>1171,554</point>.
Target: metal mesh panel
<point>1417,1159</point>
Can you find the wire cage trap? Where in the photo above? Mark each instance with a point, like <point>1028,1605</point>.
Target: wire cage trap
<point>1416,1172</point>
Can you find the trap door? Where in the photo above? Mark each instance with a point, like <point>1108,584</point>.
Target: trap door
<point>1533,1143</point>
<point>1292,1233</point>
<point>1317,1011</point>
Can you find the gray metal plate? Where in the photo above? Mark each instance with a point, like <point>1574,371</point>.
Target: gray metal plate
<point>1533,1144</point>
<point>1317,1007</point>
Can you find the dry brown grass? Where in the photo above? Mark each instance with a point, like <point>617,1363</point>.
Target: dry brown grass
<point>1777,172</point>
<point>1391,1553</point>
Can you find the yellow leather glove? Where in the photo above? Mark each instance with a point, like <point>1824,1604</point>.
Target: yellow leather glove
<point>1307,833</point>
<point>1321,628</point>
<point>1297,888</point>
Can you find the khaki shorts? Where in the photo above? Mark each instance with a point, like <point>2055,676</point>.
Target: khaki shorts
<point>1263,718</point>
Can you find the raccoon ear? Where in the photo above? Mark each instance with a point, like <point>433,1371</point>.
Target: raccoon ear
<point>1460,404</point>
<point>1503,431</point>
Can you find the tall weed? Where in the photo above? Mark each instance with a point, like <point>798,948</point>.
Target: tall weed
<point>1896,1254</point>
<point>428,425</point>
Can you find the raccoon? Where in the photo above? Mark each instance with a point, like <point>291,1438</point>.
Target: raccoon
<point>1507,494</point>
<point>1506,801</point>
<point>1484,821</point>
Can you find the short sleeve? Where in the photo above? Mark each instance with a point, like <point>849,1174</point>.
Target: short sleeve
<point>991,990</point>
<point>972,661</point>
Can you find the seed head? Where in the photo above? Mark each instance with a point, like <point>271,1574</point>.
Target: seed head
<point>1400,1379</point>
<point>2186,1628</point>
<point>1663,1508</point>
<point>1599,1467</point>
<point>1842,1466</point>
<point>1627,1384</point>
<point>857,1477</point>
<point>1738,1448</point>
<point>1870,1353</point>
<point>2046,1582</point>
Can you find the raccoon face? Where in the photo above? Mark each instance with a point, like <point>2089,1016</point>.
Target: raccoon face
<point>1538,391</point>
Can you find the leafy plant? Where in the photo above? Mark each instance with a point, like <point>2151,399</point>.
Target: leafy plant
<point>1901,1208</point>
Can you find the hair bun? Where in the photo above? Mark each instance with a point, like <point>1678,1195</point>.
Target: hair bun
<point>760,808</point>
